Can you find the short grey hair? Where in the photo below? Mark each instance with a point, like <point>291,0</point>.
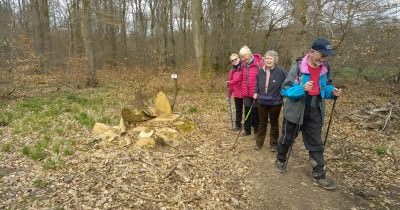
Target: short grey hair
<point>244,51</point>
<point>273,54</point>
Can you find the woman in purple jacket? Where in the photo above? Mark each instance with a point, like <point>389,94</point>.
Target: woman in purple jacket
<point>250,66</point>
<point>235,88</point>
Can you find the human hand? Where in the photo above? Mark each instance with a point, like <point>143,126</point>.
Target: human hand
<point>308,86</point>
<point>337,92</point>
<point>255,96</point>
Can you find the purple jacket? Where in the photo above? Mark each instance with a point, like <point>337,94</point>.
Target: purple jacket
<point>249,75</point>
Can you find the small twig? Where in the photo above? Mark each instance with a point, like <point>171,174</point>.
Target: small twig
<point>186,155</point>
<point>237,193</point>
<point>11,91</point>
<point>387,119</point>
<point>170,171</point>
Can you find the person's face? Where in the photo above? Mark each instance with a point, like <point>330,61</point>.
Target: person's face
<point>317,57</point>
<point>235,61</point>
<point>246,58</point>
<point>269,62</point>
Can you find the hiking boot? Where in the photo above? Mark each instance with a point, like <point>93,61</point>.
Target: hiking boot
<point>274,148</point>
<point>313,163</point>
<point>257,147</point>
<point>245,134</point>
<point>325,183</point>
<point>280,166</point>
<point>237,129</point>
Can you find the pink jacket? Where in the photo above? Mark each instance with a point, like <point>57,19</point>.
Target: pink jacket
<point>249,75</point>
<point>235,82</point>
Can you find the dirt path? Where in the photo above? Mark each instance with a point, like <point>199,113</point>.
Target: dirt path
<point>268,189</point>
<point>292,190</point>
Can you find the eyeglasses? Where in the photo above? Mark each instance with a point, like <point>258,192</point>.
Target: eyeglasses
<point>234,59</point>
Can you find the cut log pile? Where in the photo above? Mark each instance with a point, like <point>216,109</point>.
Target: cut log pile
<point>147,126</point>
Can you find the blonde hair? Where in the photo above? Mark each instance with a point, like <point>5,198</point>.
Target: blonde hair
<point>233,56</point>
<point>244,51</point>
<point>273,54</point>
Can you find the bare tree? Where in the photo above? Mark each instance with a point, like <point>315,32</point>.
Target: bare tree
<point>41,28</point>
<point>299,27</point>
<point>91,79</point>
<point>197,34</point>
<point>123,29</point>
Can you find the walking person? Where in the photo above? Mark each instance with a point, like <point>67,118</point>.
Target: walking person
<point>235,88</point>
<point>306,87</point>
<point>251,64</point>
<point>269,99</point>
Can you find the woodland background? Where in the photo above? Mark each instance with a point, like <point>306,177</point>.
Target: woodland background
<point>41,36</point>
<point>67,64</point>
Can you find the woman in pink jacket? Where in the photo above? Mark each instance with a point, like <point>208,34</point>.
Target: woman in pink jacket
<point>235,88</point>
<point>250,66</point>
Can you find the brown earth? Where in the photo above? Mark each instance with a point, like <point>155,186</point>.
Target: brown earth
<point>206,174</point>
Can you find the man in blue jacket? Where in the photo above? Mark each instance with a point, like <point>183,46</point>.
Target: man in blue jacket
<point>305,89</point>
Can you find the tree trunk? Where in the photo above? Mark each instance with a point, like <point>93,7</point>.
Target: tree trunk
<point>41,28</point>
<point>164,30</point>
<point>197,34</point>
<point>248,6</point>
<point>300,21</point>
<point>91,79</point>
<point>171,29</point>
<point>217,34</point>
<point>183,24</point>
<point>111,32</point>
<point>76,33</point>
<point>123,30</point>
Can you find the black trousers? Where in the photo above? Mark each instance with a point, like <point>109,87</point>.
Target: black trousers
<point>268,114</point>
<point>311,132</point>
<point>252,120</point>
<point>239,112</point>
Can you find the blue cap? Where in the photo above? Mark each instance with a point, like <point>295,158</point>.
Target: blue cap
<point>323,46</point>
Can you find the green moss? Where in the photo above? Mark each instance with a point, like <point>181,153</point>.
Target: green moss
<point>86,120</point>
<point>186,127</point>
<point>37,151</point>
<point>6,147</point>
<point>380,150</point>
<point>6,118</point>
<point>39,183</point>
<point>192,110</point>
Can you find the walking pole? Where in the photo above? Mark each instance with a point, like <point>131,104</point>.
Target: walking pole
<point>230,105</point>
<point>291,145</point>
<point>247,115</point>
<point>330,120</point>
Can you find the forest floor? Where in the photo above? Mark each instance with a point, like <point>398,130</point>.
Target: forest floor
<point>50,160</point>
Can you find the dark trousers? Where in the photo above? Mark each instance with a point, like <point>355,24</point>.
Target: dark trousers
<point>239,112</point>
<point>252,120</point>
<point>265,113</point>
<point>311,131</point>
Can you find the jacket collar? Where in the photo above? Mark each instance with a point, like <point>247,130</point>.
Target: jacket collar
<point>304,66</point>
